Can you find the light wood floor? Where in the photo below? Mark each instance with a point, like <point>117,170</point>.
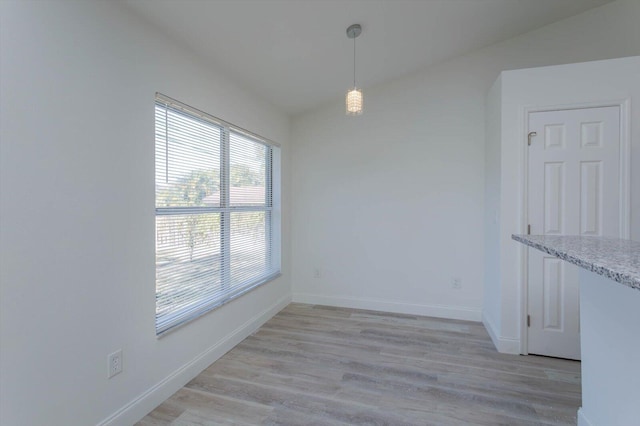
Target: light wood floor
<point>322,365</point>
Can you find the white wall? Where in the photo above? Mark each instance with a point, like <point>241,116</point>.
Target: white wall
<point>493,127</point>
<point>390,205</point>
<point>383,201</point>
<point>610,346</point>
<point>591,83</point>
<point>77,267</point>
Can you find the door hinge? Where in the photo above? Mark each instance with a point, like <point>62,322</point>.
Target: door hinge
<point>528,229</point>
<point>528,320</point>
<point>529,136</point>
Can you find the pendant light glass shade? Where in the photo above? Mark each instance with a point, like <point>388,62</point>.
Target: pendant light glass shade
<point>354,101</point>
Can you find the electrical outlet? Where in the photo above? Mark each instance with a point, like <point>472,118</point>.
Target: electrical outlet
<point>316,273</point>
<point>114,363</point>
<point>456,283</point>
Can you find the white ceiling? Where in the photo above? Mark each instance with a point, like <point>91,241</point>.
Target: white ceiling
<point>295,53</point>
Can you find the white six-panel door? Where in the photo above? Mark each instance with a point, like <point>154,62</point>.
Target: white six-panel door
<point>573,189</point>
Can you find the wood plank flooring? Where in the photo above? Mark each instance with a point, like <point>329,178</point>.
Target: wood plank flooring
<point>318,365</point>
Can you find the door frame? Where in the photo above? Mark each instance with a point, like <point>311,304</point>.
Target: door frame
<point>624,182</point>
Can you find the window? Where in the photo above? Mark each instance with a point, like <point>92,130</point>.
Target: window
<point>217,216</point>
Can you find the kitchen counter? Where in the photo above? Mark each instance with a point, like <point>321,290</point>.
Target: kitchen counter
<point>614,258</point>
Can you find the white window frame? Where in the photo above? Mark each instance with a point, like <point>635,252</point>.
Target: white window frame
<point>169,322</point>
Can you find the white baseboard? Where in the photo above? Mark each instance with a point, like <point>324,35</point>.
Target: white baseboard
<point>582,419</point>
<point>504,345</point>
<point>439,311</point>
<point>154,396</point>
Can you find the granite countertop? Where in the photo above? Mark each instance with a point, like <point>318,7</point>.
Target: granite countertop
<point>613,258</point>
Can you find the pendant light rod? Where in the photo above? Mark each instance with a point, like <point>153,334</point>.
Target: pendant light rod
<point>354,62</point>
<point>353,32</point>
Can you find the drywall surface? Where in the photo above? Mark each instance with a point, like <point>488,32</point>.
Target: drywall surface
<point>492,293</point>
<point>605,32</point>
<point>389,207</point>
<point>77,241</point>
<point>610,370</point>
<point>605,82</point>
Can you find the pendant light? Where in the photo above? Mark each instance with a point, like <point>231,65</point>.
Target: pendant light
<point>354,100</point>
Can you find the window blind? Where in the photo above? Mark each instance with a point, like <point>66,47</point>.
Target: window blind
<point>214,213</point>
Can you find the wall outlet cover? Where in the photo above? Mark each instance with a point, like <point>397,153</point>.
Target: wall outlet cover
<point>114,363</point>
